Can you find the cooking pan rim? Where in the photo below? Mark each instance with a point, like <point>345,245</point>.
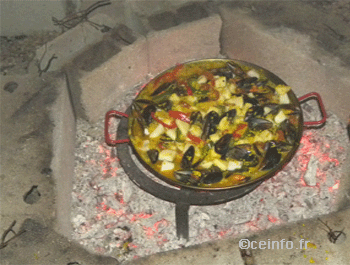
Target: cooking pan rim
<point>271,76</point>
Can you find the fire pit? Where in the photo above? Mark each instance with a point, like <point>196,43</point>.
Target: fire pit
<point>113,216</point>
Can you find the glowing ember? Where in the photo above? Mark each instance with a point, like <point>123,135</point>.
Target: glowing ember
<point>272,219</point>
<point>136,217</point>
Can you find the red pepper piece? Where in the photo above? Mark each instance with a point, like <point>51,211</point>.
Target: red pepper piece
<point>179,115</point>
<point>240,130</point>
<point>194,138</point>
<point>169,126</point>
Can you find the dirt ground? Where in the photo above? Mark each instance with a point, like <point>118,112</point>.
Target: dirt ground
<point>26,126</point>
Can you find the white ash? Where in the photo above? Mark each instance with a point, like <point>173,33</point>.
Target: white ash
<point>112,216</point>
<point>310,174</point>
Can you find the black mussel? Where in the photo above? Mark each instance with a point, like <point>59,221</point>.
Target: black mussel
<point>259,148</point>
<point>253,112</point>
<point>261,83</point>
<point>226,72</point>
<point>211,121</point>
<point>162,88</point>
<point>212,177</point>
<point>241,152</point>
<point>250,100</point>
<point>183,176</point>
<point>186,162</point>
<point>165,105</point>
<point>146,114</point>
<point>188,176</point>
<point>235,69</point>
<point>181,91</point>
<point>290,132</point>
<point>246,83</point>
<point>203,99</point>
<point>257,124</point>
<point>231,114</point>
<point>196,118</point>
<point>272,157</point>
<point>223,144</point>
<point>153,155</point>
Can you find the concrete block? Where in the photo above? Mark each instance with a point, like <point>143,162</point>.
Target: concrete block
<point>191,12</point>
<point>163,20</point>
<point>62,163</point>
<point>71,43</point>
<point>101,87</point>
<point>290,55</point>
<point>194,40</point>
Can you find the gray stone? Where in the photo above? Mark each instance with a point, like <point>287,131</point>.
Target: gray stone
<point>122,33</point>
<point>100,88</point>
<point>191,12</point>
<point>32,196</point>
<point>195,40</point>
<point>163,20</point>
<point>71,43</point>
<point>96,55</point>
<point>10,86</point>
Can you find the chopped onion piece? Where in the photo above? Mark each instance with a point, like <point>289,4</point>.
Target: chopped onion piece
<point>167,166</point>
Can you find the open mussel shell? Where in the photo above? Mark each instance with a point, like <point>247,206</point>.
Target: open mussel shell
<point>272,157</point>
<point>212,119</point>
<point>186,162</point>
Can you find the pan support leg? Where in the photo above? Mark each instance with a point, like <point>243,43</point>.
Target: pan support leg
<point>182,222</point>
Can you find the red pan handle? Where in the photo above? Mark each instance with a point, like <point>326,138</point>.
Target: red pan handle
<point>113,114</point>
<point>317,97</point>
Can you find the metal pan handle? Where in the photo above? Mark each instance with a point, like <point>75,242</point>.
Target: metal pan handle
<point>113,114</point>
<point>317,97</point>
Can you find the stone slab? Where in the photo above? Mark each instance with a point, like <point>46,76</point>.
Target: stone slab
<point>195,40</point>
<point>101,87</point>
<point>62,163</point>
<point>71,43</point>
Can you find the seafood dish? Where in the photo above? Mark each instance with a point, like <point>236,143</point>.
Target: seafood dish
<point>215,123</point>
